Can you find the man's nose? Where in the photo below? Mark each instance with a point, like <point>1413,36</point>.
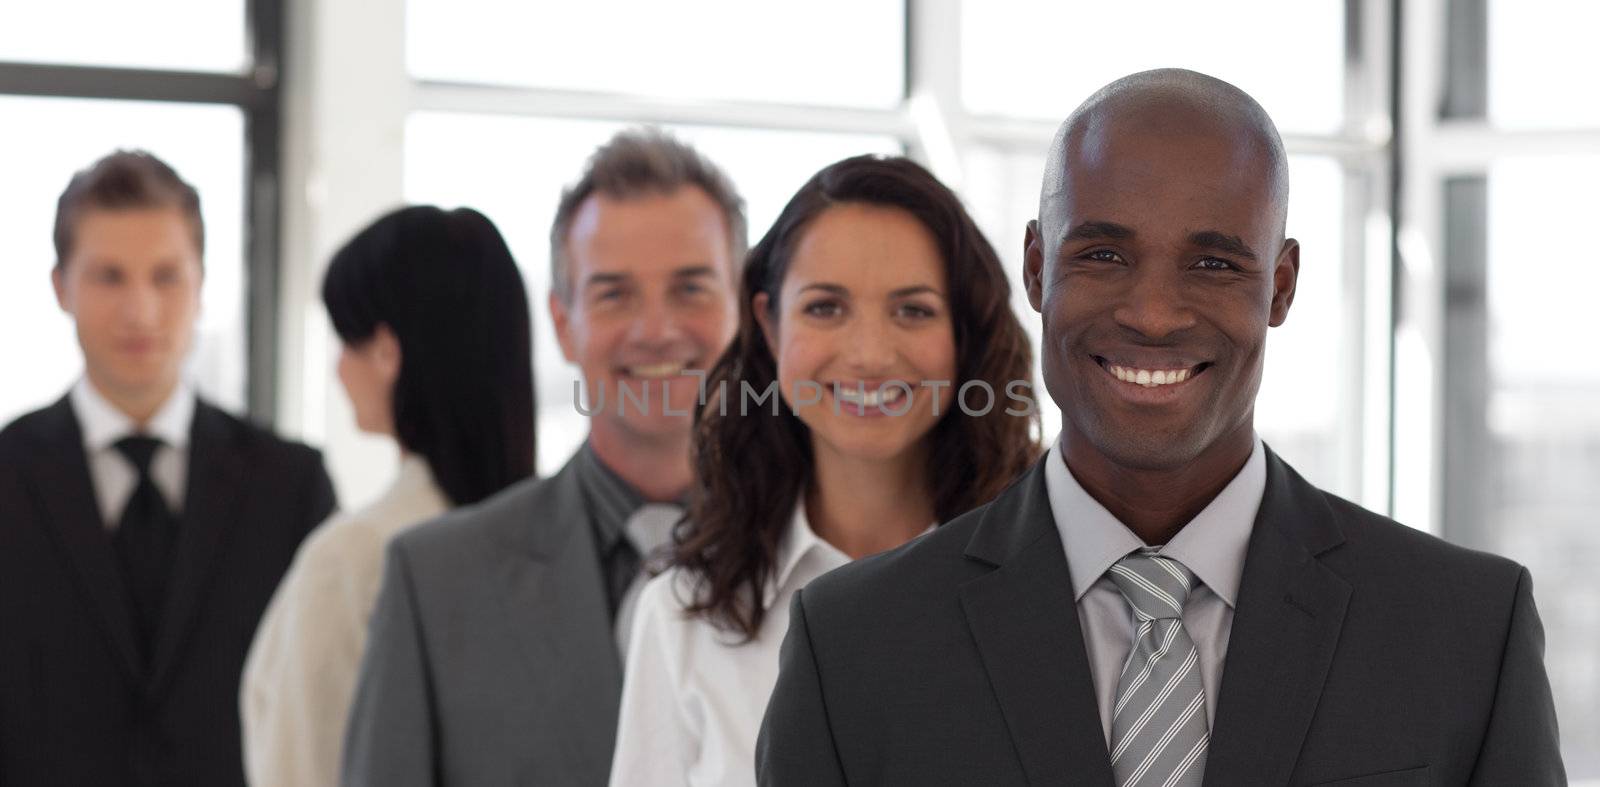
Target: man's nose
<point>656,322</point>
<point>1155,304</point>
<point>141,306</point>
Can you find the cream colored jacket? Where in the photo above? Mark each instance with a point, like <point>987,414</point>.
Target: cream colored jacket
<point>300,676</point>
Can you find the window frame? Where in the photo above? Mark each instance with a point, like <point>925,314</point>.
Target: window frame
<point>257,94</point>
<point>331,92</point>
<point>935,127</point>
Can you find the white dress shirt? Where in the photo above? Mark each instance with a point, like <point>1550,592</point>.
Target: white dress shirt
<point>694,694</point>
<point>300,675</point>
<point>113,475</point>
<point>1212,545</point>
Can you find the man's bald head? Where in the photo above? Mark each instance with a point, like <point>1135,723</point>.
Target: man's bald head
<point>1157,265</point>
<point>1179,104</point>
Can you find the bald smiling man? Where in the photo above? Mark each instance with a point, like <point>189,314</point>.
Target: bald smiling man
<point>1162,600</point>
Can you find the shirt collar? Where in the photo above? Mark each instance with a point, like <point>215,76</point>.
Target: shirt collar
<point>103,424</point>
<point>798,541</point>
<point>611,500</point>
<point>1212,545</point>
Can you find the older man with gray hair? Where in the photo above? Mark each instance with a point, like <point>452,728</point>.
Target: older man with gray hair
<point>494,655</point>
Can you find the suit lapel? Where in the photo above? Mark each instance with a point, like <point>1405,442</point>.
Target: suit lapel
<point>211,507</point>
<point>555,608</point>
<point>67,498</point>
<point>1285,629</point>
<point>1025,623</point>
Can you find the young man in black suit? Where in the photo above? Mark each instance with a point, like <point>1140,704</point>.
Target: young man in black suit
<point>142,530</point>
<point>1162,600</point>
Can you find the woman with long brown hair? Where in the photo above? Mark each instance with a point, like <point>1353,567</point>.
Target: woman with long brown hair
<point>876,387</point>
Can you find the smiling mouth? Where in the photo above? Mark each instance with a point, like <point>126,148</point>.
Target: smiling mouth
<point>860,399</point>
<point>657,371</point>
<point>1152,377</point>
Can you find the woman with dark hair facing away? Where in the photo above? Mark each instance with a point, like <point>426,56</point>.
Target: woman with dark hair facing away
<point>873,303</point>
<point>433,318</point>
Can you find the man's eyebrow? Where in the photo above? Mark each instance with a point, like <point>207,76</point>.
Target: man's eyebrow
<point>1223,242</point>
<point>692,271</point>
<point>1099,230</point>
<point>606,279</point>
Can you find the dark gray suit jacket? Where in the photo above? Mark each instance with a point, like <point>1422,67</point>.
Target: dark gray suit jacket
<point>1362,653</point>
<point>491,659</point>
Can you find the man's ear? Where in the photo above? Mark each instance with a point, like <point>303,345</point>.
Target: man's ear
<point>1285,277</point>
<point>58,282</point>
<point>1033,265</point>
<point>758,306</point>
<point>562,318</point>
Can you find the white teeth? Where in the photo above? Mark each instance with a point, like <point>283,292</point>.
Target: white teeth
<point>1149,378</point>
<point>871,398</point>
<point>667,369</point>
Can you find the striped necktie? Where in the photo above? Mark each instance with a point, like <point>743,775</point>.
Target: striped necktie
<point>1158,725</point>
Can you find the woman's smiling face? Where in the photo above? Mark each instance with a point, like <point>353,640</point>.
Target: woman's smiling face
<point>862,321</point>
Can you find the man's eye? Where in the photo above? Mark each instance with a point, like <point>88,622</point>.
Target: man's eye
<point>1215,264</point>
<point>1103,255</point>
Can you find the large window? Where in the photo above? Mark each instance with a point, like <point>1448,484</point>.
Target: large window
<point>176,35</point>
<point>179,78</point>
<point>1027,63</point>
<point>1038,58</point>
<point>1542,60</point>
<point>822,52</point>
<point>536,88</point>
<point>53,137</point>
<point>1541,433</point>
<point>1508,174</point>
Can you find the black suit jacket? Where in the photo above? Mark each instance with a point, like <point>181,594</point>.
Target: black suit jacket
<point>77,706</point>
<point>1362,653</point>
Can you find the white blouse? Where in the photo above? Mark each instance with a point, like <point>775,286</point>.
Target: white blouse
<point>300,676</point>
<point>694,694</point>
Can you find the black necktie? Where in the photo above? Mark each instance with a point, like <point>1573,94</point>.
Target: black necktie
<point>144,541</point>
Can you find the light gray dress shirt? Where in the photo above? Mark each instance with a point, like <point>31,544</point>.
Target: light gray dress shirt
<point>1212,545</point>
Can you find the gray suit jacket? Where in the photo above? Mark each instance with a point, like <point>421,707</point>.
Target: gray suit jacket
<point>1362,653</point>
<point>491,659</point>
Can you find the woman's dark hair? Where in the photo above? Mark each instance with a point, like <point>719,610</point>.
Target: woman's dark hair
<point>739,510</point>
<point>447,287</point>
